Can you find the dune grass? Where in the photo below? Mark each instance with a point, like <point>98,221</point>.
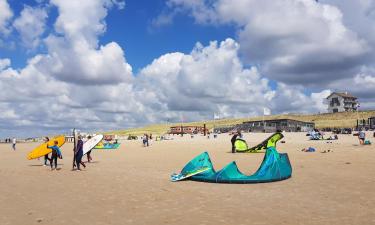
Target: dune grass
<point>325,120</point>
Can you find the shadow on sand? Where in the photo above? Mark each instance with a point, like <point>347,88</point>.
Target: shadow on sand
<point>47,165</point>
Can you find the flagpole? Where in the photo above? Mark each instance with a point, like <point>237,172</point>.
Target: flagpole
<point>358,121</point>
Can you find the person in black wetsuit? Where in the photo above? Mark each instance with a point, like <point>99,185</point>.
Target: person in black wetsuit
<point>79,154</point>
<point>233,140</point>
<point>56,152</point>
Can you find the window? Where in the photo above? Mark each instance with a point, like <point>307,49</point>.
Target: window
<point>335,102</point>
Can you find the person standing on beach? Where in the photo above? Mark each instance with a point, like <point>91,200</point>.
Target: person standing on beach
<point>79,154</point>
<point>46,140</point>
<point>233,140</point>
<point>56,152</point>
<point>361,137</point>
<point>14,141</point>
<point>89,158</point>
<point>145,140</point>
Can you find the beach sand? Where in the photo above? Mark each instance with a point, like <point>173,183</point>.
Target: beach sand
<point>131,185</point>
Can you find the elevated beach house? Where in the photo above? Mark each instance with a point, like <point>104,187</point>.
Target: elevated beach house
<point>342,102</point>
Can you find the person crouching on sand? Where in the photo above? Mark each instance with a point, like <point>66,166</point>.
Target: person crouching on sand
<point>79,154</point>
<point>56,152</point>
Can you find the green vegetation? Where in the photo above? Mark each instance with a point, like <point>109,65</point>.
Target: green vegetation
<point>326,120</point>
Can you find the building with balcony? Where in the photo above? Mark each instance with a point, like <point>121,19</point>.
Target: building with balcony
<point>342,102</point>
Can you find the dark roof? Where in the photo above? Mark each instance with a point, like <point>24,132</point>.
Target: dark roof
<point>343,94</point>
<point>278,120</point>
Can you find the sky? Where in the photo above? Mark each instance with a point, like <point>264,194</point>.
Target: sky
<point>111,64</point>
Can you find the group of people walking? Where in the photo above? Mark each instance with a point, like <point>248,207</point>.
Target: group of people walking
<point>56,153</point>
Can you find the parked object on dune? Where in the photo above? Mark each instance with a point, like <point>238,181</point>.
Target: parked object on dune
<point>242,147</point>
<point>42,149</point>
<point>275,167</point>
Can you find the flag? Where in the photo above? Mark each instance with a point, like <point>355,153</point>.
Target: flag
<point>216,116</point>
<point>266,111</point>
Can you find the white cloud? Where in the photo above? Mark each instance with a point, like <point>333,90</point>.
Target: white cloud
<point>293,41</point>
<point>211,79</point>
<point>31,25</point>
<point>74,55</point>
<point>81,83</point>
<point>4,63</point>
<point>5,15</point>
<point>48,92</point>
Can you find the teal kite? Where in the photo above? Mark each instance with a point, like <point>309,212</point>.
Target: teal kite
<point>275,167</point>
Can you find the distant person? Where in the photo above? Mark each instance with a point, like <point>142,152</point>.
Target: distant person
<point>89,158</point>
<point>150,139</point>
<point>79,154</point>
<point>14,142</point>
<point>56,152</point>
<point>361,137</point>
<point>145,140</point>
<point>46,158</point>
<point>233,140</point>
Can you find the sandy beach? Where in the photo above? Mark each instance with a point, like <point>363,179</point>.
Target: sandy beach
<point>131,185</point>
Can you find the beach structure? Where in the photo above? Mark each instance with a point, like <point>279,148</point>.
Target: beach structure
<point>366,124</point>
<point>372,122</point>
<point>109,137</point>
<point>225,129</point>
<point>69,138</point>
<point>271,126</point>
<point>187,130</point>
<point>342,102</point>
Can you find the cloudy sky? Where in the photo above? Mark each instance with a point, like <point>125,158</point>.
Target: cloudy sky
<point>112,64</point>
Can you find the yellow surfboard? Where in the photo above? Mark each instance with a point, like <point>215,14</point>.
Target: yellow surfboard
<point>42,149</point>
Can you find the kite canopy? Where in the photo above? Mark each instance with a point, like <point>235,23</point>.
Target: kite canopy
<point>275,167</point>
<point>241,145</point>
